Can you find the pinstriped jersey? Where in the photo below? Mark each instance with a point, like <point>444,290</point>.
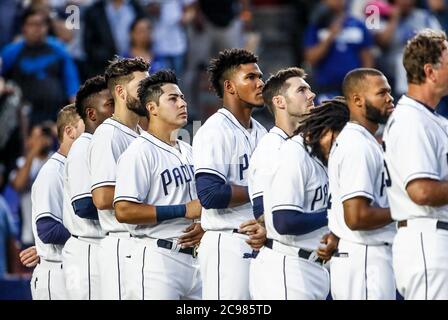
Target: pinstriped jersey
<point>109,141</point>
<point>153,172</point>
<point>77,187</point>
<point>416,146</point>
<point>355,169</point>
<point>299,184</point>
<point>223,147</point>
<point>47,201</point>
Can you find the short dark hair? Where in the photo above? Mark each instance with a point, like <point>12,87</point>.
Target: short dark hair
<point>276,85</point>
<point>227,60</point>
<point>67,116</point>
<point>330,115</point>
<point>356,77</point>
<point>150,88</point>
<point>425,47</point>
<point>90,88</point>
<point>120,70</point>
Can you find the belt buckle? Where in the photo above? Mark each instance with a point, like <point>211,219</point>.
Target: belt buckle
<point>313,256</point>
<point>175,247</point>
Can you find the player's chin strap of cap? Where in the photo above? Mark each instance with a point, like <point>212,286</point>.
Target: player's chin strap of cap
<point>288,250</point>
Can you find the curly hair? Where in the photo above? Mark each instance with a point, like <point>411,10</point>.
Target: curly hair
<point>425,47</point>
<point>119,70</point>
<point>150,89</point>
<point>227,61</point>
<point>90,88</point>
<point>276,85</point>
<point>330,115</point>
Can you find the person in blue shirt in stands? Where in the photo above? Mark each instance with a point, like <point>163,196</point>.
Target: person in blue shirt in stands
<point>41,66</point>
<point>335,43</point>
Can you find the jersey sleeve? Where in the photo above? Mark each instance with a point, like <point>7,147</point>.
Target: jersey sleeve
<point>46,196</point>
<point>78,178</point>
<point>413,140</point>
<point>289,183</point>
<point>103,161</point>
<point>133,177</point>
<point>356,174</point>
<point>210,154</point>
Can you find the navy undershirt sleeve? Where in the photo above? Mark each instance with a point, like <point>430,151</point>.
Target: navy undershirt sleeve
<point>213,191</point>
<point>51,231</point>
<point>84,208</point>
<point>298,223</point>
<point>258,208</point>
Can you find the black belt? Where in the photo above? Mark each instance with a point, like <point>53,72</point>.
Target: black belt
<point>161,243</point>
<point>302,253</point>
<point>439,225</point>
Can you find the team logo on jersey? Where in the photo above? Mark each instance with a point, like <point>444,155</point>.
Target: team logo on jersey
<point>178,175</point>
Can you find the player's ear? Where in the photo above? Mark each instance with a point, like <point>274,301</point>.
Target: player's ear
<point>120,92</point>
<point>279,102</point>
<point>91,114</point>
<point>428,69</point>
<point>229,87</point>
<point>151,106</point>
<point>358,100</point>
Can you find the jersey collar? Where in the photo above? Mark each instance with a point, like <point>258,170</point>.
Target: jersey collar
<point>360,128</point>
<point>122,127</point>
<point>417,104</point>
<point>160,143</point>
<point>86,135</point>
<point>276,130</point>
<point>235,121</point>
<point>59,157</point>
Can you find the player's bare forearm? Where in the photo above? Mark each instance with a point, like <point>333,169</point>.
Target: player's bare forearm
<point>192,236</point>
<point>135,213</point>
<point>103,197</point>
<point>193,209</point>
<point>428,192</point>
<point>240,196</point>
<point>359,215</point>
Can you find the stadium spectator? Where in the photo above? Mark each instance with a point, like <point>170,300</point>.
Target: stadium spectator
<point>106,31</point>
<point>335,43</point>
<point>41,67</point>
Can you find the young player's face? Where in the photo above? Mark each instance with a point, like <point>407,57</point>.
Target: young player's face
<point>299,97</point>
<point>249,84</point>
<point>104,103</point>
<point>172,108</point>
<point>378,99</point>
<point>132,102</point>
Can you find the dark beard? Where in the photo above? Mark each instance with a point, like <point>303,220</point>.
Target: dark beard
<point>135,106</point>
<point>375,115</point>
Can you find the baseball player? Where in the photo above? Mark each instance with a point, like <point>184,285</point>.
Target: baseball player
<point>94,104</point>
<point>359,213</point>
<point>416,172</point>
<point>288,266</point>
<point>155,194</point>
<point>47,282</point>
<point>222,149</point>
<point>108,142</point>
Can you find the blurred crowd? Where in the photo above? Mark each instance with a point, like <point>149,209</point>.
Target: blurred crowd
<point>49,47</point>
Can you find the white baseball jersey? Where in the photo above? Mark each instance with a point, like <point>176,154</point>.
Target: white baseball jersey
<point>47,201</point>
<point>152,172</point>
<point>109,141</point>
<point>264,161</point>
<point>77,186</point>
<point>300,183</point>
<point>355,169</point>
<point>416,146</point>
<point>223,147</point>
